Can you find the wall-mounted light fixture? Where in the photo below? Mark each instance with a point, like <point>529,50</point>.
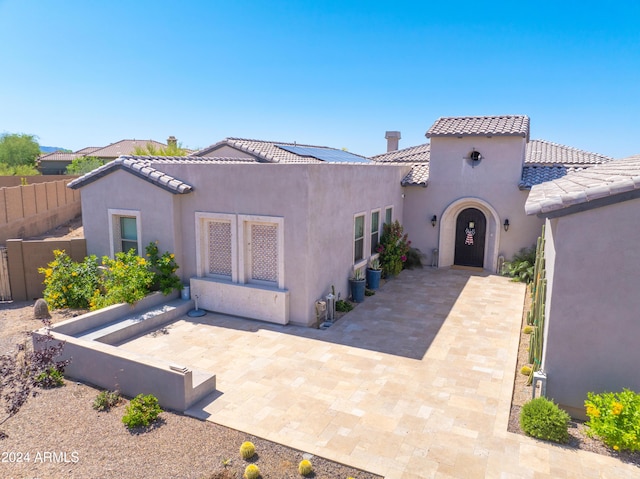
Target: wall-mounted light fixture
<point>506,225</point>
<point>434,220</point>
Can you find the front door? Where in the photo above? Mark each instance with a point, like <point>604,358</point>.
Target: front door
<point>471,227</point>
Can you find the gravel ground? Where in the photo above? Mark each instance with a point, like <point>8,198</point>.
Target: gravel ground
<point>65,437</point>
<point>522,393</point>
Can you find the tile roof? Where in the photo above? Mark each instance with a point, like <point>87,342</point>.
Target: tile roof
<point>541,152</point>
<point>265,151</point>
<point>143,167</point>
<point>124,147</point>
<point>89,149</point>
<point>506,125</point>
<point>59,156</point>
<point>534,175</point>
<point>413,154</point>
<point>418,176</point>
<point>598,182</point>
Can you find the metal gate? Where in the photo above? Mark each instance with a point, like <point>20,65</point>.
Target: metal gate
<point>5,288</point>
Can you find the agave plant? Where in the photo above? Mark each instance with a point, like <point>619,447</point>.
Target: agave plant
<point>521,267</point>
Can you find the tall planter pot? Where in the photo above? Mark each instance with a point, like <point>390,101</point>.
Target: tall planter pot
<point>357,290</point>
<point>373,278</point>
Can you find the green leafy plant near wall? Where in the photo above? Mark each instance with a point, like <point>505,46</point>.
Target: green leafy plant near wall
<point>522,265</point>
<point>393,248</point>
<point>615,418</point>
<point>125,279</point>
<point>543,419</point>
<point>141,411</point>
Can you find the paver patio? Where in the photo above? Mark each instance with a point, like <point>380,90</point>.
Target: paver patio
<point>416,382</point>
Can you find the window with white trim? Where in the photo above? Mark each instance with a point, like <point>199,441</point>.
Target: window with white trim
<point>388,215</point>
<point>124,231</point>
<point>375,230</point>
<point>358,230</point>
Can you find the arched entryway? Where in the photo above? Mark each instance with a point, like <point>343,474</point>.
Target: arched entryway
<point>471,227</point>
<point>485,243</point>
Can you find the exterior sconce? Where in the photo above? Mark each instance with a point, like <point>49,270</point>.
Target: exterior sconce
<point>506,225</point>
<point>434,220</point>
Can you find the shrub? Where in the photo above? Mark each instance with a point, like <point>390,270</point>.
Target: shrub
<point>247,450</point>
<point>543,419</point>
<point>251,472</point>
<point>369,292</point>
<point>393,248</point>
<point>343,306</point>
<point>127,279</point>
<point>51,377</point>
<point>105,400</point>
<point>615,418</point>
<point>141,411</point>
<point>69,284</point>
<point>164,267</point>
<point>305,468</point>
<point>414,259</point>
<point>521,266</point>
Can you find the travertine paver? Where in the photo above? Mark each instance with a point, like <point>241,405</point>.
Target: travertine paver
<point>414,383</point>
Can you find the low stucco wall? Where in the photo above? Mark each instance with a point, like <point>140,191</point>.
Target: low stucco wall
<point>246,300</point>
<point>110,367</point>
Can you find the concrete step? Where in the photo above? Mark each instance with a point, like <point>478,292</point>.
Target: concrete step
<point>141,322</point>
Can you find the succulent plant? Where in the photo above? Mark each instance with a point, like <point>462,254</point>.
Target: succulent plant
<point>305,467</point>
<point>247,450</point>
<point>251,472</point>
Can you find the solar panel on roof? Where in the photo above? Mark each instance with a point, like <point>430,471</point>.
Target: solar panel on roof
<point>325,154</point>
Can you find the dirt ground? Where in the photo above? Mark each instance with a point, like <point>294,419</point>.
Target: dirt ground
<point>522,393</point>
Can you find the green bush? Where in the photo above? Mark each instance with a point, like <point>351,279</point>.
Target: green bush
<point>615,418</point>
<point>69,284</point>
<point>51,377</point>
<point>393,248</point>
<point>105,400</point>
<point>164,267</point>
<point>343,306</point>
<point>141,411</point>
<point>521,266</point>
<point>543,419</point>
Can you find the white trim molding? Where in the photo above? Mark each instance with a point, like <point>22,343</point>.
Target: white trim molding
<point>112,214</point>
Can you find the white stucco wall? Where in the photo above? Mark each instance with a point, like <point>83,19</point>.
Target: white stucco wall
<point>592,320</point>
<point>491,186</point>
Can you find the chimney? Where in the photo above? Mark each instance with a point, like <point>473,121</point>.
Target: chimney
<point>393,138</point>
<point>172,142</point>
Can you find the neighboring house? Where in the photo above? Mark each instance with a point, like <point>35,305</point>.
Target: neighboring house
<point>592,263</point>
<point>56,163</point>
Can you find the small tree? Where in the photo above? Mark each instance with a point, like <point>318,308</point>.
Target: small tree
<point>151,150</point>
<point>18,149</point>
<point>83,165</point>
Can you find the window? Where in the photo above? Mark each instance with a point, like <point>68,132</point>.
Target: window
<point>216,254</point>
<point>358,249</point>
<point>375,230</point>
<point>388,215</point>
<point>124,231</point>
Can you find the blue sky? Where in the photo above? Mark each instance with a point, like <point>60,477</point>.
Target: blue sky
<point>335,73</point>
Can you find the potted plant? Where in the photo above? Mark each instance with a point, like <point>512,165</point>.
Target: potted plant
<point>374,272</point>
<point>357,284</point>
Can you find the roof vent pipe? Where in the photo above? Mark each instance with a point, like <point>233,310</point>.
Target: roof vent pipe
<point>393,138</point>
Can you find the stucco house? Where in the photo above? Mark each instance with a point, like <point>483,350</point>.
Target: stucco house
<point>592,301</point>
<point>264,229</point>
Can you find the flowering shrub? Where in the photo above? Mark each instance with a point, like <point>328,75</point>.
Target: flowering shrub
<point>164,266</point>
<point>393,248</point>
<point>126,279</point>
<point>615,418</point>
<point>69,284</point>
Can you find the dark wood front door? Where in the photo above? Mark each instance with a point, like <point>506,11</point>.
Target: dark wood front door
<point>471,227</point>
